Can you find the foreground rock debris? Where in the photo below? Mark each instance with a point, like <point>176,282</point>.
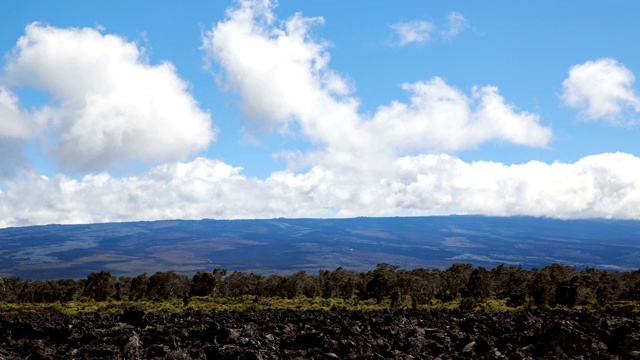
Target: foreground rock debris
<point>288,334</point>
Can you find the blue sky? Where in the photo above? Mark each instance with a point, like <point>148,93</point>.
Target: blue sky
<point>252,109</point>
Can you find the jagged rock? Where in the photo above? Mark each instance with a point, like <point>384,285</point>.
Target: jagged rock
<point>469,347</point>
<point>132,317</point>
<point>286,334</point>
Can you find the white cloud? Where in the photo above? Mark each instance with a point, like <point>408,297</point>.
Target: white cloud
<point>603,185</point>
<point>442,118</point>
<point>413,31</point>
<point>108,104</point>
<point>456,24</point>
<point>364,165</point>
<point>420,32</point>
<point>283,76</point>
<point>14,122</point>
<point>279,72</point>
<point>601,90</point>
<point>606,186</point>
<point>17,128</point>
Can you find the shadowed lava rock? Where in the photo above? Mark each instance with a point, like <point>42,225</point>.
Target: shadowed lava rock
<point>287,334</point>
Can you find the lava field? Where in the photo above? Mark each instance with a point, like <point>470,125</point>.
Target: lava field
<point>337,334</point>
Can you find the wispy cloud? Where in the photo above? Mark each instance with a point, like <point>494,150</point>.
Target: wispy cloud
<point>418,32</point>
<point>456,24</point>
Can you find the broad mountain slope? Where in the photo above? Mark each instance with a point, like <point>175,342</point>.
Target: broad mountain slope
<point>289,245</point>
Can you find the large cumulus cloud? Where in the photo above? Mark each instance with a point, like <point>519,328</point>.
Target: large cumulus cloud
<point>283,76</point>
<point>108,105</point>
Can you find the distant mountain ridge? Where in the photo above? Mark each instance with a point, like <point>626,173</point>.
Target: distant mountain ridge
<point>289,245</point>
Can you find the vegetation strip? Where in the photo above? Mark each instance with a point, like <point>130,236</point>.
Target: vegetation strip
<point>388,286</point>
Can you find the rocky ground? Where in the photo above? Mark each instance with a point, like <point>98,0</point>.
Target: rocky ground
<point>288,334</point>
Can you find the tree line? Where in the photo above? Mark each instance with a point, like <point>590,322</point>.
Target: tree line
<point>552,286</point>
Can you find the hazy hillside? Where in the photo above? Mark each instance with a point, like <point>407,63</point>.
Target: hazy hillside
<point>288,245</point>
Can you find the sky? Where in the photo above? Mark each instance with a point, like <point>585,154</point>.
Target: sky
<point>119,111</point>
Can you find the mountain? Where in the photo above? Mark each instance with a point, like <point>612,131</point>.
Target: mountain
<point>289,245</point>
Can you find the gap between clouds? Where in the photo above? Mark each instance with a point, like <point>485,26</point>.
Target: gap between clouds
<point>126,109</point>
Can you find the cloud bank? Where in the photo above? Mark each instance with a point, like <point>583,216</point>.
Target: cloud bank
<point>606,185</point>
